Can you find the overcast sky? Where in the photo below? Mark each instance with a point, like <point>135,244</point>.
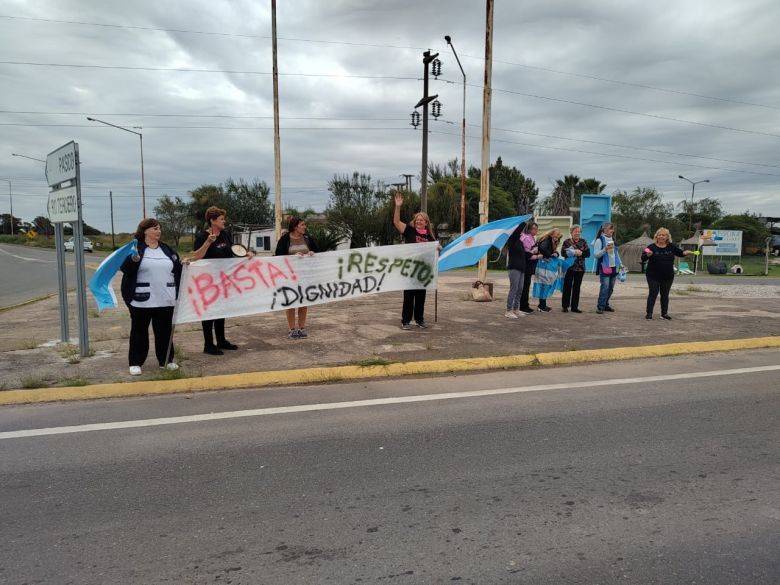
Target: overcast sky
<point>725,52</point>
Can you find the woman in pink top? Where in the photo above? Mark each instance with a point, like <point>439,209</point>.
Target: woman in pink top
<point>531,256</point>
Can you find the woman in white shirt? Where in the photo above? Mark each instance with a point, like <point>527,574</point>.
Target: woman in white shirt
<point>608,264</point>
<point>150,285</point>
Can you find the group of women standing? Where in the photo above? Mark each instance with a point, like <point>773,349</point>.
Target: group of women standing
<point>151,277</point>
<point>527,254</point>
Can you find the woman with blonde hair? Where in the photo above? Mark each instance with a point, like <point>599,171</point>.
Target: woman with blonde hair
<point>415,232</point>
<point>660,257</point>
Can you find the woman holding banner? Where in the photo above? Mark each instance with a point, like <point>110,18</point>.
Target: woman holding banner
<point>417,231</point>
<point>545,269</point>
<point>214,242</point>
<point>150,285</point>
<point>296,242</point>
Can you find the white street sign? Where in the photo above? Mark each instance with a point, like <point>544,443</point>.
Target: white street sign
<point>63,205</point>
<point>727,242</point>
<point>61,165</point>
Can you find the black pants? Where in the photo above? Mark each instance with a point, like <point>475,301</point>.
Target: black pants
<point>656,286</point>
<point>414,305</point>
<point>525,295</point>
<point>161,319</point>
<point>572,282</point>
<point>218,326</point>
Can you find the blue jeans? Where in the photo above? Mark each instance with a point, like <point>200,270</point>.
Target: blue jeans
<point>516,278</point>
<point>605,291</point>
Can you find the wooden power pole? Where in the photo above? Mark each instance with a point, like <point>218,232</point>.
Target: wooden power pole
<point>277,144</point>
<point>484,181</point>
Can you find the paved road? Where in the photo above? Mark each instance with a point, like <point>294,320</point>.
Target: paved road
<point>28,273</point>
<point>641,481</point>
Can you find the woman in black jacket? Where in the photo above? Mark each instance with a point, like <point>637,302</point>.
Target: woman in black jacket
<point>296,242</point>
<point>548,248</point>
<point>214,242</point>
<point>528,237</point>
<point>150,285</point>
<point>572,281</point>
<point>660,257</point>
<point>516,267</point>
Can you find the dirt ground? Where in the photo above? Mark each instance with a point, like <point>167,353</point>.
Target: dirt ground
<point>366,331</point>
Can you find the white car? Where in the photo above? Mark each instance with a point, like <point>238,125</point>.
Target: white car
<point>70,244</point>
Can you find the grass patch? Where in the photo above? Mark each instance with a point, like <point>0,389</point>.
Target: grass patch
<point>28,344</point>
<point>179,355</point>
<point>168,375</point>
<point>94,313</point>
<point>29,382</point>
<point>77,381</point>
<point>373,361</point>
<point>693,288</point>
<point>680,292</point>
<point>71,353</point>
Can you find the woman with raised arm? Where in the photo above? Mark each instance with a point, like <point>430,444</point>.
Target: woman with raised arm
<point>660,257</point>
<point>417,231</point>
<point>150,285</point>
<point>296,242</point>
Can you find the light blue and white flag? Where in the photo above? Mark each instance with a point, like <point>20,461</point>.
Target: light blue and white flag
<point>100,283</point>
<point>471,246</point>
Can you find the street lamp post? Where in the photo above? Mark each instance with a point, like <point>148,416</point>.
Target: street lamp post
<point>11,198</point>
<point>30,157</point>
<point>141,136</point>
<point>693,190</point>
<point>463,144</point>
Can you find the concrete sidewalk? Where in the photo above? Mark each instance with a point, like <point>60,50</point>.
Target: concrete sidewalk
<point>366,332</point>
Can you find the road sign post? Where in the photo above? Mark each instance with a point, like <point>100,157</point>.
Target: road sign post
<point>63,175</point>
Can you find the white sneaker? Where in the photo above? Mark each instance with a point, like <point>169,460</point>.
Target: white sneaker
<point>510,315</point>
<point>135,370</point>
<point>171,366</point>
<point>519,314</point>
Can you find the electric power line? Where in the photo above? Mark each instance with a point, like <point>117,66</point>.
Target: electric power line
<point>194,70</point>
<point>220,116</point>
<point>211,33</point>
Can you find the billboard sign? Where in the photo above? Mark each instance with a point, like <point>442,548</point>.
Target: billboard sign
<point>727,242</point>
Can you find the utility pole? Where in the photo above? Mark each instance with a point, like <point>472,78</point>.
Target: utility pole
<point>277,144</point>
<point>426,99</point>
<point>484,181</point>
<point>463,144</point>
<point>111,201</point>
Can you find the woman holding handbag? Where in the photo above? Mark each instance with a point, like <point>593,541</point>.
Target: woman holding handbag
<point>608,264</point>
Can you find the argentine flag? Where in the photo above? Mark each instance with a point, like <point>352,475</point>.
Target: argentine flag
<point>100,283</point>
<point>471,246</point>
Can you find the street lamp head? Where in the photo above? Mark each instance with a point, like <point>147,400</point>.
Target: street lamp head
<point>680,177</point>
<point>706,181</point>
<point>90,119</point>
<point>448,38</point>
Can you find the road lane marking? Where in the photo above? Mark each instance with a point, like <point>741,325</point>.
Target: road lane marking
<point>6,252</point>
<point>153,422</point>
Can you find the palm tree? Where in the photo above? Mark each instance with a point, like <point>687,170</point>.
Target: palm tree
<point>591,186</point>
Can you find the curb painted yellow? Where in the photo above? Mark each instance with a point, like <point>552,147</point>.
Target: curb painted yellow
<point>340,373</point>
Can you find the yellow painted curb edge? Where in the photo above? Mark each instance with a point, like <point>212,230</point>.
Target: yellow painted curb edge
<point>339,373</point>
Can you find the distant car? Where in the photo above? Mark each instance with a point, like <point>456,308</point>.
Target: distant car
<point>70,245</point>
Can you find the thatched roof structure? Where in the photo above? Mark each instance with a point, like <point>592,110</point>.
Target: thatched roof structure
<point>631,252</point>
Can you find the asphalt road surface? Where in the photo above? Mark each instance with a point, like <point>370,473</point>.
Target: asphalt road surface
<point>30,273</point>
<point>600,479</point>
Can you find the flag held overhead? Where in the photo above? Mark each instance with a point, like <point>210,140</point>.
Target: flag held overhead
<point>474,244</point>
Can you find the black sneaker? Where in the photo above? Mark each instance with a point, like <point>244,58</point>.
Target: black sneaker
<point>565,310</point>
<point>422,324</point>
<point>528,310</point>
<point>576,311</point>
<point>649,316</point>
<point>665,316</point>
<point>213,350</point>
<point>226,345</point>
<point>293,334</point>
<point>302,333</point>
<point>544,309</point>
<point>406,326</point>
<point>600,311</point>
<point>609,309</point>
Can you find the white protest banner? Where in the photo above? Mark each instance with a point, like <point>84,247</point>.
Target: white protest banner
<point>219,288</point>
